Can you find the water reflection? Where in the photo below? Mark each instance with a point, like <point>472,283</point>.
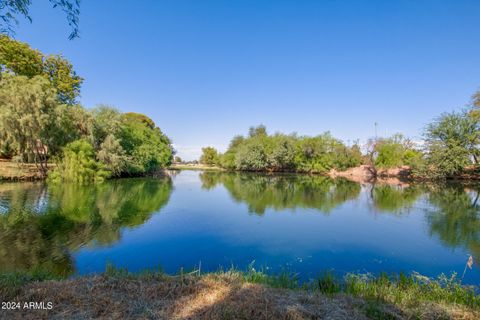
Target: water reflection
<point>394,198</point>
<point>453,211</point>
<point>40,225</point>
<point>364,227</point>
<point>262,191</point>
<point>455,216</point>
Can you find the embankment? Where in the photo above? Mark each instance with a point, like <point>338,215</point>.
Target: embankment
<point>10,170</point>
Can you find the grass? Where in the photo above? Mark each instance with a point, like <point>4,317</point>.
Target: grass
<point>11,283</point>
<point>246,294</point>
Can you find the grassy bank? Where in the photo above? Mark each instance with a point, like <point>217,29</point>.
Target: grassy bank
<point>120,294</point>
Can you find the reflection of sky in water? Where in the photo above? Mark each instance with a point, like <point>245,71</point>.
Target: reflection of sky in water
<point>209,228</point>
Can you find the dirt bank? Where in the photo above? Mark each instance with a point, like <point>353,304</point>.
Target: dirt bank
<point>10,170</point>
<point>366,174</point>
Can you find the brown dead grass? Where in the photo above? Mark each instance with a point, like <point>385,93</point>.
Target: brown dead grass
<point>212,296</point>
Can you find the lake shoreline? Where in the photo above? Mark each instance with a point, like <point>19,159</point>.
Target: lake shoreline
<point>119,294</point>
<point>12,171</point>
<point>360,174</point>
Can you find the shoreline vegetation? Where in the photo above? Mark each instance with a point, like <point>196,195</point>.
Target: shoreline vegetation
<point>235,294</point>
<point>42,125</point>
<point>450,149</point>
<point>64,141</point>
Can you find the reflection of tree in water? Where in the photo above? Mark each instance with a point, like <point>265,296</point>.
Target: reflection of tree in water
<point>455,216</point>
<point>394,199</point>
<point>38,229</point>
<point>262,191</point>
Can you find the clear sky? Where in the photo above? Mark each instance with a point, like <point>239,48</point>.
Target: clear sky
<point>207,70</point>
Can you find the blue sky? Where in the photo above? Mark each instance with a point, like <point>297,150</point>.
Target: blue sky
<point>205,71</point>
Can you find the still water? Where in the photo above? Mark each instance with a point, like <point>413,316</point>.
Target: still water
<point>294,223</point>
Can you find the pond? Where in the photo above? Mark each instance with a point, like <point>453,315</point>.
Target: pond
<point>294,223</point>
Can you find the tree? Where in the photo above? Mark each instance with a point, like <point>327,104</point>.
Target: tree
<point>209,156</point>
<point>177,159</point>
<point>112,155</point>
<point>452,142</point>
<point>31,118</point>
<point>106,121</point>
<point>20,59</point>
<point>11,9</point>
<point>62,76</point>
<point>147,147</point>
<point>475,112</point>
<point>258,131</point>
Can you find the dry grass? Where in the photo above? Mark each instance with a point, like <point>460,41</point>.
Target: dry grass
<point>212,296</point>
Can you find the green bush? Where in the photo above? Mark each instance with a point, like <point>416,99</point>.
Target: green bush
<point>79,165</point>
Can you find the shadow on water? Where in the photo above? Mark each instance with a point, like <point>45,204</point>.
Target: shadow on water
<point>41,225</point>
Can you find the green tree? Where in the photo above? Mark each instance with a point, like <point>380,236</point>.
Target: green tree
<point>11,9</point>
<point>17,57</point>
<point>31,118</point>
<point>394,152</point>
<point>20,59</point>
<point>146,146</point>
<point>209,156</point>
<point>62,76</point>
<point>106,121</point>
<point>279,152</point>
<point>475,106</point>
<point>112,155</point>
<point>177,159</point>
<point>451,144</point>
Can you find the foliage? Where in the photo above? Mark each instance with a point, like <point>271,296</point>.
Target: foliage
<point>20,59</point>
<point>260,151</point>
<point>394,151</point>
<point>475,105</point>
<point>177,159</point>
<point>79,164</point>
<point>209,156</point>
<point>146,146</point>
<point>323,153</point>
<point>107,121</point>
<point>452,142</point>
<point>112,155</point>
<point>10,9</point>
<point>32,120</point>
<point>39,117</point>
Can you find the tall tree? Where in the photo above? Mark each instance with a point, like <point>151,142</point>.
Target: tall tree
<point>452,142</point>
<point>10,10</point>
<point>20,59</point>
<point>209,156</point>
<point>31,117</point>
